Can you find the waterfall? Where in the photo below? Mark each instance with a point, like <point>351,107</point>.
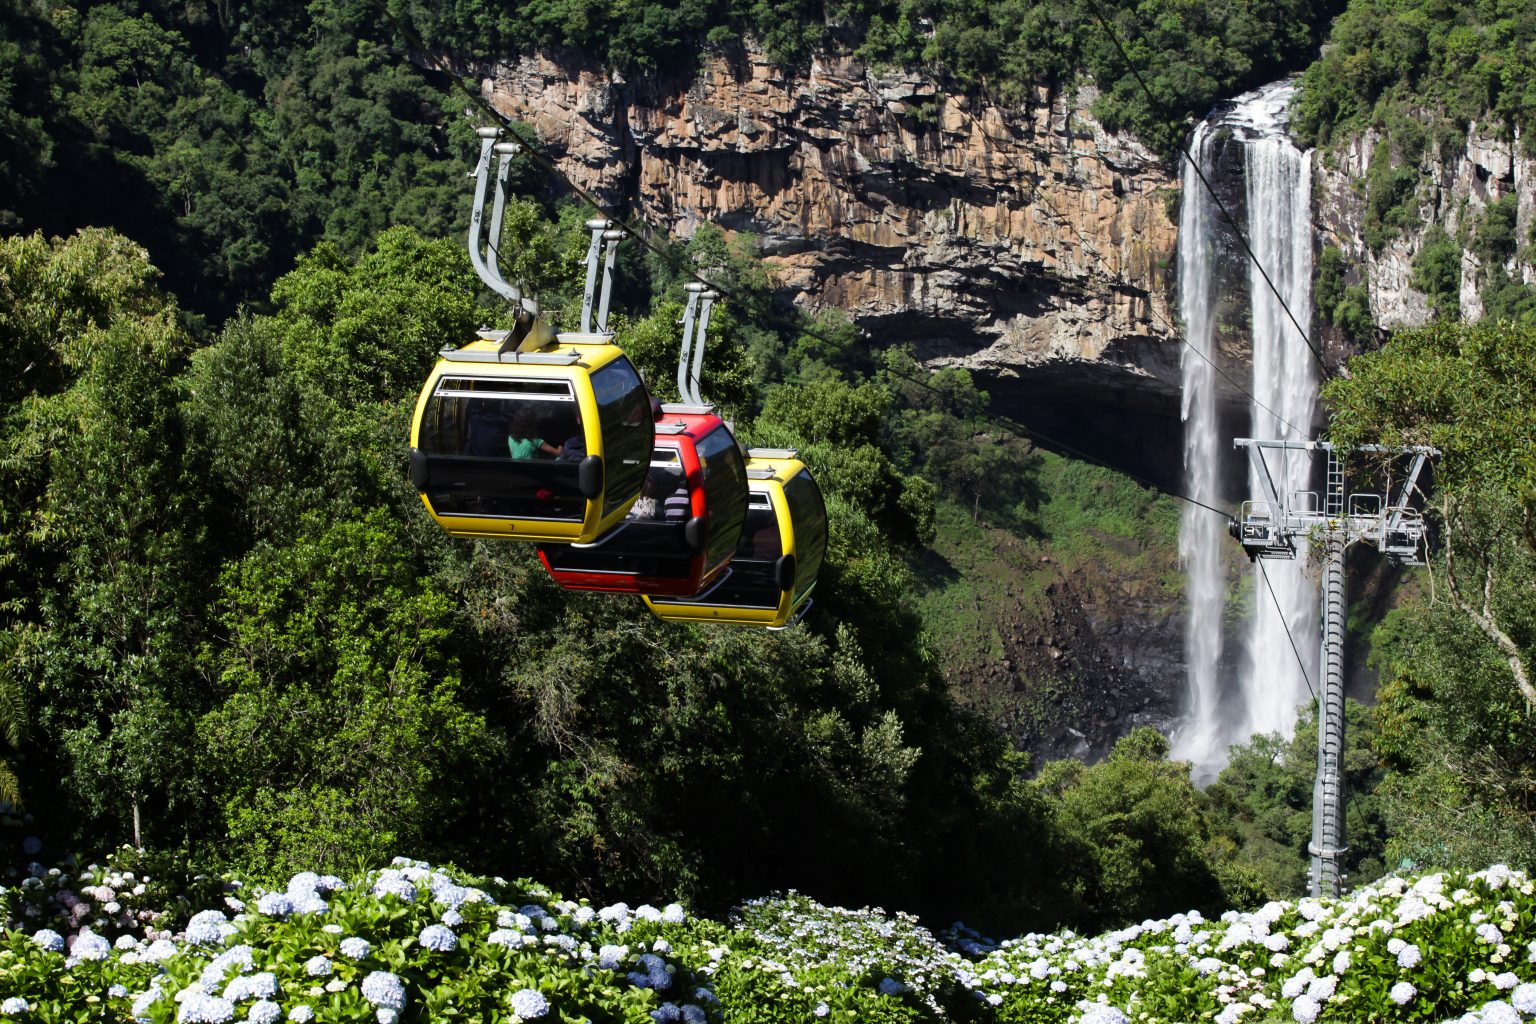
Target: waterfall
<point>1226,706</point>
<point>1201,533</point>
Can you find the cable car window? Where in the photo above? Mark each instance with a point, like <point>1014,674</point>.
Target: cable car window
<point>751,581</point>
<point>553,390</point>
<point>624,411</point>
<point>725,483</point>
<point>809,514</point>
<point>493,448</point>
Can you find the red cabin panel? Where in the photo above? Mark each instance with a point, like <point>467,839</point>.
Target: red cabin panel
<point>680,534</point>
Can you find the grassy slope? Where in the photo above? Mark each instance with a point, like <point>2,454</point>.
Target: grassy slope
<point>1036,625</point>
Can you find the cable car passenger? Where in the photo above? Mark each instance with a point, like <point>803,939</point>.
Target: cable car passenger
<point>481,453</point>
<point>681,532</point>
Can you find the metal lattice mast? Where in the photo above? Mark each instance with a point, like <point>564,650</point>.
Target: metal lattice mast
<point>1268,527</point>
<point>1327,844</point>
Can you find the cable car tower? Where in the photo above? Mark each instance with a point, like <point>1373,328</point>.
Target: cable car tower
<point>1268,527</point>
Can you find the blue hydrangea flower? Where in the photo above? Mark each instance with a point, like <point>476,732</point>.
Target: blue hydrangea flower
<point>204,928</point>
<point>264,1011</point>
<point>274,904</point>
<point>394,885</point>
<point>695,1014</point>
<point>309,903</point>
<point>1102,1014</point>
<point>529,1003</point>
<point>49,939</point>
<point>117,991</point>
<point>144,1000</point>
<point>666,1013</point>
<point>327,884</point>
<point>252,986</point>
<point>609,957</point>
<point>303,882</point>
<point>1523,998</point>
<point>217,968</point>
<point>452,918</point>
<point>90,946</point>
<point>561,941</point>
<point>385,990</point>
<point>317,966</point>
<point>1305,1009</point>
<point>205,1009</point>
<point>15,1006</point>
<point>160,949</point>
<point>438,938</point>
<point>354,947</point>
<point>446,892</point>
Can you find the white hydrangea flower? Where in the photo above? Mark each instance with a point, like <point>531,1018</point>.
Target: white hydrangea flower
<point>1499,1012</point>
<point>1402,993</point>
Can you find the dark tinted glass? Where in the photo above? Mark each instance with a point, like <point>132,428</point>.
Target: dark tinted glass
<point>750,582</point>
<point>647,544</point>
<point>808,513</point>
<point>725,490</point>
<point>494,447</point>
<point>624,408</point>
<point>639,547</point>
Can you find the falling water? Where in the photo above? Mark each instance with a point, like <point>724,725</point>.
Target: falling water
<point>1270,686</point>
<point>1201,739</point>
<point>1273,681</point>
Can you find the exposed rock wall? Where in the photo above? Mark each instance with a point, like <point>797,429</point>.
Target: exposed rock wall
<point>1017,240</point>
<point>1455,188</point>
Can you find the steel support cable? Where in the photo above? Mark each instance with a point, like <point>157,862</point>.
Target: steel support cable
<point>1193,163</point>
<point>1115,279</point>
<point>1287,627</point>
<point>536,152</point>
<point>544,161</point>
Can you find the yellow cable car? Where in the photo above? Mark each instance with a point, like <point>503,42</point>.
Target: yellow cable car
<point>774,569</point>
<point>549,445</point>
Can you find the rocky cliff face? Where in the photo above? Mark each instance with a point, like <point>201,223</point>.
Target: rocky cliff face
<point>1024,242</point>
<point>1455,189</point>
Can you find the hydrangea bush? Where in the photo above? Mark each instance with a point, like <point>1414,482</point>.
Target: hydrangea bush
<point>132,894</point>
<point>1426,949</point>
<point>412,943</point>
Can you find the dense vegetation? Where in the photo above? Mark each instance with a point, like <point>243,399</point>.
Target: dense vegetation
<point>228,139</point>
<point>229,634</point>
<point>410,943</point>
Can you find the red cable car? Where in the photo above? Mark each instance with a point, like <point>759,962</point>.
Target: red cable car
<point>679,535</point>
<point>771,577</point>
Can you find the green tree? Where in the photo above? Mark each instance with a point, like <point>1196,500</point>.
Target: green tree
<point>1134,831</point>
<point>1260,810</point>
<point>1437,273</point>
<point>117,523</point>
<point>338,731</point>
<point>99,525</point>
<point>1455,714</point>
